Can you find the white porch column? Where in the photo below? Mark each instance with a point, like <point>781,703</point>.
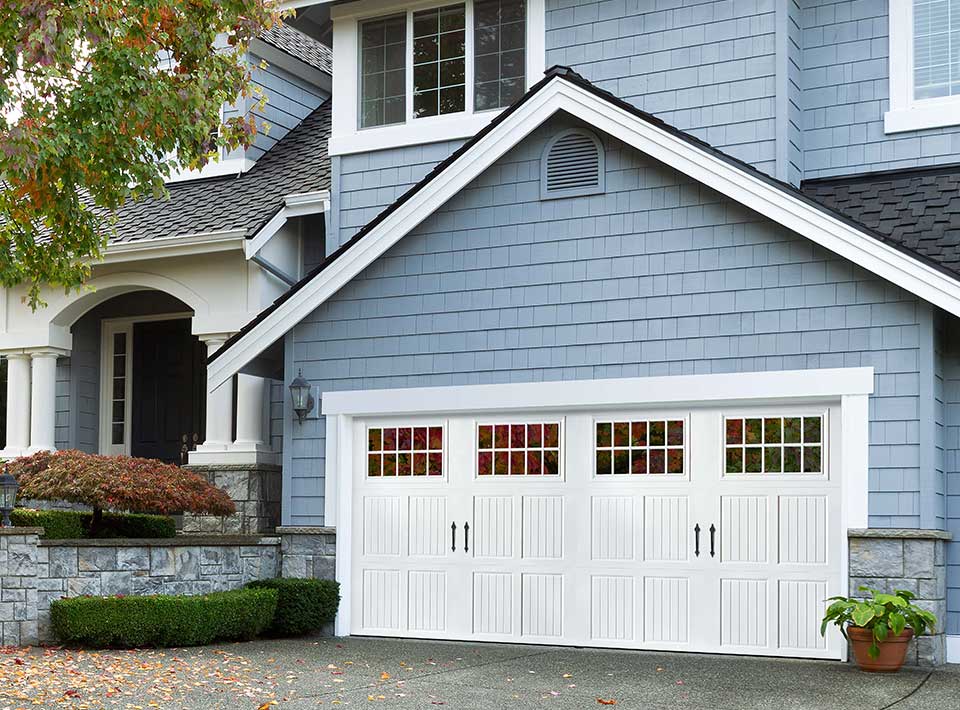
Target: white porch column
<point>43,400</point>
<point>18,405</point>
<point>219,433</point>
<point>251,402</point>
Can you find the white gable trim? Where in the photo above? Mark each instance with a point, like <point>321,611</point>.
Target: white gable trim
<point>697,163</point>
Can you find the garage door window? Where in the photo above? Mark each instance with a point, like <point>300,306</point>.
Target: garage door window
<point>404,451</point>
<point>779,444</point>
<point>650,446</point>
<point>518,449</point>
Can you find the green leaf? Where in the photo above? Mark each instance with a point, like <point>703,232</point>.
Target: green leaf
<point>897,623</point>
<point>863,615</point>
<point>880,631</point>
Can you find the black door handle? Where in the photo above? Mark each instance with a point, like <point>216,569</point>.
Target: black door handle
<point>453,536</point>
<point>713,532</point>
<point>696,538</point>
<point>466,537</point>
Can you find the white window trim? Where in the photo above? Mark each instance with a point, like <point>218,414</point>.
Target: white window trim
<point>907,113</point>
<point>108,328</point>
<point>347,137</point>
<point>851,387</point>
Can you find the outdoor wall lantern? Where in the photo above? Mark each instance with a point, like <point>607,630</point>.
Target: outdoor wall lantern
<point>8,495</point>
<point>302,399</point>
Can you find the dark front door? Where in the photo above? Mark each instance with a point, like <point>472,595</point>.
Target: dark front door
<point>169,374</point>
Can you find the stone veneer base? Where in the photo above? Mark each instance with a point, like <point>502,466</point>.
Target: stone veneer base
<point>892,558</point>
<point>255,488</point>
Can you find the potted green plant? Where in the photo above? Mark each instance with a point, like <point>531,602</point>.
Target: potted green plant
<point>879,627</point>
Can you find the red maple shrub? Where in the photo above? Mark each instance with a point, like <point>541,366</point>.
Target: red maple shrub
<point>119,483</point>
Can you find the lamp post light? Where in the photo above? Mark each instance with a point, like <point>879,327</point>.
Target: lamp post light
<point>302,399</point>
<point>8,495</point>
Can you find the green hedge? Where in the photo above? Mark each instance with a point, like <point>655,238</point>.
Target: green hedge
<point>304,605</point>
<point>70,524</point>
<point>159,621</point>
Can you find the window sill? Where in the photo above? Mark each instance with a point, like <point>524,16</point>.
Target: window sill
<point>415,132</point>
<point>921,117</point>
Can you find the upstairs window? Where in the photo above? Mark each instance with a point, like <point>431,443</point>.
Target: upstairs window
<point>439,61</point>
<point>383,71</point>
<point>924,65</point>
<point>450,59</point>
<point>936,48</point>
<point>499,47</point>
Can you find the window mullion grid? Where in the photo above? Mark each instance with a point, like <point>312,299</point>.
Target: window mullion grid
<point>409,66</point>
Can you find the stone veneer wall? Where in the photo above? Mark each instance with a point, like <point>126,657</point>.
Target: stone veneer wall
<point>18,593</point>
<point>308,552</point>
<point>889,558</point>
<point>255,488</point>
<point>181,565</point>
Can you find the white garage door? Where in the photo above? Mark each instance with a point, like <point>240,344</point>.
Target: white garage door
<point>695,529</point>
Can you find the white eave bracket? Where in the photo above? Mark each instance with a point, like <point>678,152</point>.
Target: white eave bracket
<point>296,205</point>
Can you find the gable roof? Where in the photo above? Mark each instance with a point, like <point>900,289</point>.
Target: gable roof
<point>564,90</point>
<point>917,208</point>
<point>297,163</point>
<point>300,46</point>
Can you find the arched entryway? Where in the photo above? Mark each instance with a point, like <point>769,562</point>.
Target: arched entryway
<point>136,379</point>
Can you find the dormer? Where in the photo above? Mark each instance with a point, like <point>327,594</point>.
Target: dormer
<point>420,72</point>
<point>293,71</point>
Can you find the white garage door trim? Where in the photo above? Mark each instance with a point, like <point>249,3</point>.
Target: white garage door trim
<point>850,387</point>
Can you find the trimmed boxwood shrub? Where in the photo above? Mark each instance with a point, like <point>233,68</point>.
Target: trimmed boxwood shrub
<point>159,621</point>
<point>304,605</point>
<point>71,524</point>
<point>56,524</point>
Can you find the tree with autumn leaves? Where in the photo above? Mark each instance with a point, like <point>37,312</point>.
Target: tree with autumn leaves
<point>100,100</point>
<point>118,483</point>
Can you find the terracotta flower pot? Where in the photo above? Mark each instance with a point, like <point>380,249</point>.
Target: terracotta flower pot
<point>892,651</point>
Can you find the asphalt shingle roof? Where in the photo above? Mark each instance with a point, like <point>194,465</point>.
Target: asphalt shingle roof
<point>297,163</point>
<point>294,42</point>
<point>915,209</point>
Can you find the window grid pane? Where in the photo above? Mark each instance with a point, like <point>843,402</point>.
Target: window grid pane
<point>499,52</point>
<point>383,45</point>
<point>439,61</point>
<point>773,445</point>
<point>646,446</point>
<point>936,48</point>
<point>518,449</point>
<point>118,395</point>
<point>404,451</point>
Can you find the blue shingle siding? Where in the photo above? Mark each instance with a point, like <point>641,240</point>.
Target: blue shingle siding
<point>846,92</point>
<point>365,183</point>
<point>706,67</point>
<point>658,276</point>
<point>289,101</point>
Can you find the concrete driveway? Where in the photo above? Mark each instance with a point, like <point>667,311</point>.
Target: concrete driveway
<point>311,673</point>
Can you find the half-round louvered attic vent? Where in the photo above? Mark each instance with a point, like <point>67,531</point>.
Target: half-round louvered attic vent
<point>572,165</point>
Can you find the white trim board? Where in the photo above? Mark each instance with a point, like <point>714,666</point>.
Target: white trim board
<point>953,649</point>
<point>708,168</point>
<point>754,387</point>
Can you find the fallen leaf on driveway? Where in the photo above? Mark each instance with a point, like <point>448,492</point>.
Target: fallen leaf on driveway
<point>384,676</point>
<point>603,701</point>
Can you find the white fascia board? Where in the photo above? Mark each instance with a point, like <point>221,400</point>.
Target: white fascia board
<point>213,168</point>
<point>294,205</point>
<point>793,385</point>
<point>701,165</point>
<point>165,247</point>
